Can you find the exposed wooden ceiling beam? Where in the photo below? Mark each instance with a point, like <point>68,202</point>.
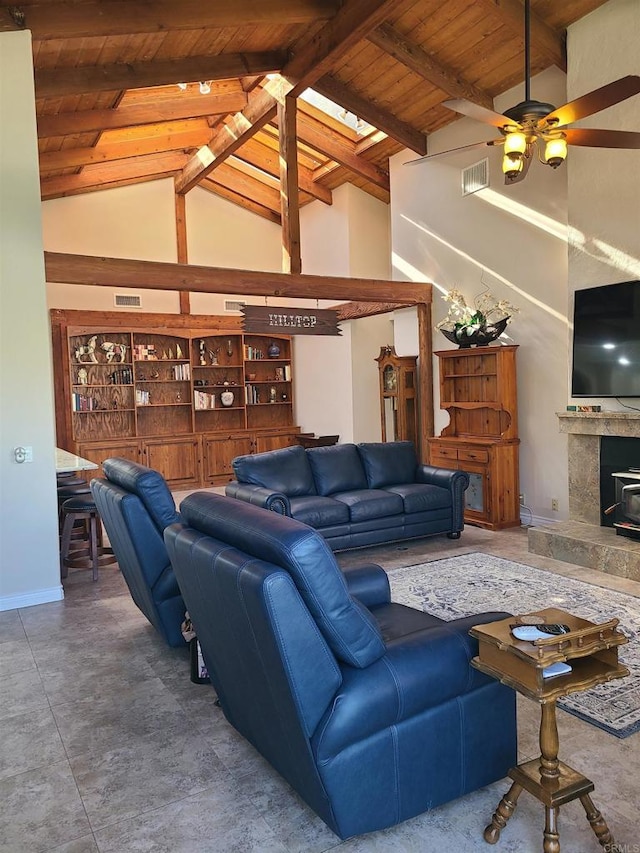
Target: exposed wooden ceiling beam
<point>356,310</point>
<point>311,60</point>
<point>268,160</point>
<point>343,152</point>
<point>315,56</point>
<point>58,20</point>
<point>67,158</point>
<point>56,82</point>
<point>92,178</point>
<point>289,196</point>
<point>228,138</point>
<point>212,186</point>
<point>168,109</point>
<point>422,63</point>
<point>156,275</point>
<point>371,113</point>
<point>264,193</point>
<point>544,39</point>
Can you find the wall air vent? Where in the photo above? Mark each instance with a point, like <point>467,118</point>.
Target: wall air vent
<point>475,177</point>
<point>234,305</point>
<point>127,300</point>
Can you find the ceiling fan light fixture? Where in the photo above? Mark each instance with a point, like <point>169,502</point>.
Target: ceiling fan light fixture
<point>512,166</point>
<point>515,145</point>
<point>555,151</point>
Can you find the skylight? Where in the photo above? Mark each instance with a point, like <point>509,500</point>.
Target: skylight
<point>361,127</point>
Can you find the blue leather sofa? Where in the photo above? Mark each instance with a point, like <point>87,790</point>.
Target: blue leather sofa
<point>370,710</point>
<point>355,495</point>
<point>135,505</point>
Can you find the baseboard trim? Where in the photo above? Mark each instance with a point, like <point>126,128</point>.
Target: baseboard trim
<point>536,520</point>
<point>40,596</point>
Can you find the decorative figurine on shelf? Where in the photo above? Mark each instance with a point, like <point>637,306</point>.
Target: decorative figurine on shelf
<point>178,397</point>
<point>227,398</point>
<point>213,356</point>
<point>179,353</point>
<point>202,350</point>
<point>87,349</point>
<point>114,351</point>
<point>229,347</point>
<point>83,376</point>
<point>155,374</point>
<point>170,354</point>
<point>114,402</point>
<point>272,394</point>
<point>284,396</point>
<point>274,350</point>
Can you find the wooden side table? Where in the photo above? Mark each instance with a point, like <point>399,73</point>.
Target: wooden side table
<point>591,651</point>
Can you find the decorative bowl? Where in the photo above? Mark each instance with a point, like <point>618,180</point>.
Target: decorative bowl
<point>479,337</point>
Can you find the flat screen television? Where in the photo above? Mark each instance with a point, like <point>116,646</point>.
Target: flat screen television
<point>606,341</point>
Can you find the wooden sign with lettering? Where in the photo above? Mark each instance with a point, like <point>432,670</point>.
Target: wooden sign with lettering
<point>290,321</point>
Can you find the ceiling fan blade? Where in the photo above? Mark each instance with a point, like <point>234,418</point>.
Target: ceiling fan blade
<point>454,151</point>
<point>593,102</point>
<point>602,138</point>
<point>468,108</point>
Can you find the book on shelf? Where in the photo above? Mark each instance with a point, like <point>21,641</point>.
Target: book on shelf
<point>287,373</point>
<point>181,372</point>
<point>203,401</point>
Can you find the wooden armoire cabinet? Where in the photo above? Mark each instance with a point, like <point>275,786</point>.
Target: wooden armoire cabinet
<point>478,390</point>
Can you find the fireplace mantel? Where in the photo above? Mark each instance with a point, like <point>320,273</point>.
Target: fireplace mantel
<point>623,424</point>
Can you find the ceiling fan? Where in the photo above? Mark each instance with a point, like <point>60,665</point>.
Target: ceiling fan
<point>533,126</point>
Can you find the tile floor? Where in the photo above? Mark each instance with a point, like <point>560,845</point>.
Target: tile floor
<point>107,746</point>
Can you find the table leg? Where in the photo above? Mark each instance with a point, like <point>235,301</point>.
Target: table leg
<point>551,835</point>
<point>598,823</point>
<point>506,808</point>
<point>549,744</point>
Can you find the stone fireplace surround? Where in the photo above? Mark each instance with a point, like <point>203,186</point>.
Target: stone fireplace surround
<point>582,540</point>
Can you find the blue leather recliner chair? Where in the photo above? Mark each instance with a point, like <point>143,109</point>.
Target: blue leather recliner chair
<point>369,709</point>
<point>135,505</point>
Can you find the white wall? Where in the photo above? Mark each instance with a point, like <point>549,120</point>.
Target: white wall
<point>513,241</point>
<point>337,382</point>
<point>29,561</point>
<point>126,222</point>
<point>604,185</point>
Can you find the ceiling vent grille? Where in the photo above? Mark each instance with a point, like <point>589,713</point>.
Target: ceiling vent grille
<point>234,305</point>
<point>126,300</point>
<point>475,177</point>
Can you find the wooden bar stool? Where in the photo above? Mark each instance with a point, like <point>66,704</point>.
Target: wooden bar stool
<point>91,555</point>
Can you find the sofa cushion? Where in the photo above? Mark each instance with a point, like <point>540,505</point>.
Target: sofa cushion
<point>388,463</point>
<point>366,504</point>
<point>286,470</point>
<point>337,468</point>
<point>421,497</point>
<point>347,626</point>
<point>317,511</point>
<point>149,485</point>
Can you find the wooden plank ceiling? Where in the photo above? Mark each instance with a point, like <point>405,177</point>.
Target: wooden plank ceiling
<point>110,111</point>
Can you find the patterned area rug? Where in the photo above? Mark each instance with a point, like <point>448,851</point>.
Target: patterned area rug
<point>472,583</point>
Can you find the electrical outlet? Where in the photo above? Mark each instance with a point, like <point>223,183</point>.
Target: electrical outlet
<point>522,500</point>
<point>554,504</point>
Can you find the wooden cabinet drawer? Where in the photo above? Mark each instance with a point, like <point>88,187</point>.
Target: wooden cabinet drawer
<point>443,452</point>
<point>473,455</point>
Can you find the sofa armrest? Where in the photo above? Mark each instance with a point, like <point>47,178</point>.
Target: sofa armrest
<point>259,496</point>
<point>455,481</point>
<point>368,583</point>
<point>420,671</point>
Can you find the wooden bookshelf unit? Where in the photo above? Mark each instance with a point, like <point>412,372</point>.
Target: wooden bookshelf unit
<point>478,391</point>
<point>179,393</point>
